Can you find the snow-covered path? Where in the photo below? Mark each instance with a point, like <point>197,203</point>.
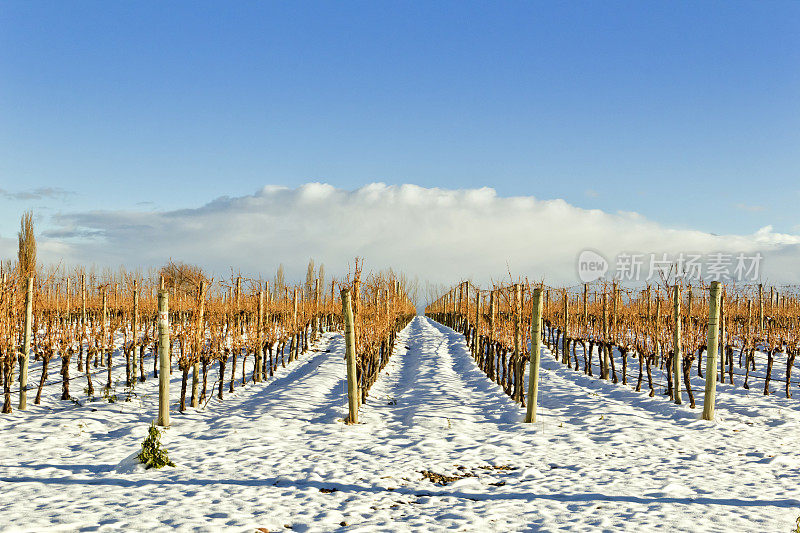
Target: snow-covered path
<point>435,384</point>
<point>277,455</point>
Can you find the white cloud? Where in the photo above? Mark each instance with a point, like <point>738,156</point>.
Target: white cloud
<point>438,234</point>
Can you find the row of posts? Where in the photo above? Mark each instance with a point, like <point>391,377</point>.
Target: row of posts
<point>163,418</point>
<point>537,332</point>
<point>164,347</point>
<point>350,351</point>
<point>711,359</point>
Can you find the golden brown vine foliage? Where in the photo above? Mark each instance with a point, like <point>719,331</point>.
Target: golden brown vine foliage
<point>228,332</point>
<point>635,322</point>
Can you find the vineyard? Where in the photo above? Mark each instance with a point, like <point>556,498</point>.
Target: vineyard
<point>332,406</point>
<point>86,326</point>
<point>657,335</point>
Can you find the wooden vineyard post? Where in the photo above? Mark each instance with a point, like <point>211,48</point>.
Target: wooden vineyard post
<point>24,357</point>
<point>259,341</point>
<point>564,339</point>
<point>320,309</point>
<point>89,388</point>
<point>65,358</point>
<point>536,344</point>
<point>771,300</point>
<point>295,332</point>
<point>104,332</point>
<point>761,310</point>
<point>722,319</point>
<point>315,318</point>
<point>304,345</point>
<point>460,312</point>
<point>584,318</point>
<point>237,336</point>
<point>134,326</point>
<point>549,332</point>
<point>491,348</point>
<point>268,323</point>
<point>390,296</point>
<point>465,302</point>
<point>711,357</point>
<point>613,335</point>
<point>199,341</point>
<point>749,330</point>
<point>452,308</point>
<point>350,355</point>
<point>677,358</point>
<point>355,306</point>
<point>518,342</point>
<point>476,336</point>
<point>163,358</point>
<point>604,350</point>
<point>67,305</point>
<point>465,311</point>
<point>655,333</point>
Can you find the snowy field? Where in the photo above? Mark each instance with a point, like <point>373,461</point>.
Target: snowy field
<point>277,456</point>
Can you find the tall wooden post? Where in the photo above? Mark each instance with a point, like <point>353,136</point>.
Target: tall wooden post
<point>518,369</point>
<point>564,339</point>
<point>677,357</point>
<point>259,339</point>
<point>199,341</point>
<point>749,332</point>
<point>722,339</point>
<point>771,301</point>
<point>656,321</point>
<point>163,358</point>
<point>295,328</point>
<point>350,357</point>
<point>536,344</point>
<point>460,313</point>
<point>315,319</point>
<point>67,304</point>
<point>477,335</point>
<point>712,345</point>
<point>104,330</point>
<point>615,311</point>
<point>83,328</point>
<point>237,324</point>
<point>24,357</point>
<point>761,310</point>
<point>304,299</point>
<point>134,334</point>
<point>606,363</point>
<point>83,301</point>
<point>491,350</point>
<point>585,298</point>
<point>547,310</point>
<point>389,304</point>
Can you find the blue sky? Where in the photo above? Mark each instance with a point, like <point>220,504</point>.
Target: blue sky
<point>650,107</point>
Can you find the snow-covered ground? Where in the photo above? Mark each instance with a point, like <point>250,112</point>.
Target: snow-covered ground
<point>277,456</point>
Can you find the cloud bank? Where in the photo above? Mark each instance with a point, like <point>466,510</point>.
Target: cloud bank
<point>437,234</point>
